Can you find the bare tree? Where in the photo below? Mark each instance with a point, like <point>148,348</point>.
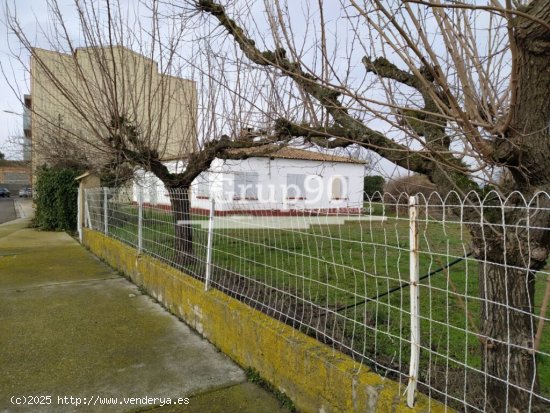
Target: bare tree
<point>118,93</point>
<point>456,89</point>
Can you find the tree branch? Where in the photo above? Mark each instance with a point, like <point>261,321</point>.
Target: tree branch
<point>200,161</point>
<point>384,68</point>
<point>420,121</point>
<point>499,10</point>
<point>356,131</point>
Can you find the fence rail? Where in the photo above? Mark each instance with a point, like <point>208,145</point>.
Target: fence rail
<point>403,293</point>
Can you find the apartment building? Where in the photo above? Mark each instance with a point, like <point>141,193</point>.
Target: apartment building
<point>76,98</point>
<point>14,175</point>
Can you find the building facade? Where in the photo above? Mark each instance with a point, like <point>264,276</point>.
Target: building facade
<point>77,97</point>
<point>14,175</point>
<point>27,128</point>
<point>286,182</point>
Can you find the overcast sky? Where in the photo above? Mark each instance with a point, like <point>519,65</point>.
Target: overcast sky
<point>14,80</point>
<point>33,17</point>
<point>14,60</point>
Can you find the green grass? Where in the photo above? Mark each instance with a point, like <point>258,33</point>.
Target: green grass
<point>338,266</point>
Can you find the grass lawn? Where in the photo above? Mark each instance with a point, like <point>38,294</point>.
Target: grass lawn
<point>340,266</point>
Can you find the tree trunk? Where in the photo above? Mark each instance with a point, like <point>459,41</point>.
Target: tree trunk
<point>520,247</point>
<point>507,334</point>
<point>183,232</point>
<point>510,254</point>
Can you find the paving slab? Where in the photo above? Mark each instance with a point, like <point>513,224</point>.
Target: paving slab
<point>70,326</point>
<point>241,398</point>
<point>7,210</point>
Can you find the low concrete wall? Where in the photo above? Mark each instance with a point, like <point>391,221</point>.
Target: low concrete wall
<point>316,377</point>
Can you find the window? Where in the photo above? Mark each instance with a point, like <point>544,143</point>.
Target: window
<point>246,185</point>
<point>295,186</point>
<point>203,186</point>
<point>340,187</point>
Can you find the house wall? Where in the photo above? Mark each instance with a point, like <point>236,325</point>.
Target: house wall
<point>272,185</point>
<point>152,188</point>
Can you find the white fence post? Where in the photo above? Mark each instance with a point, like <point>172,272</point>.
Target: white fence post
<point>414,269</point>
<point>105,211</point>
<point>140,220</point>
<point>87,218</point>
<point>209,245</point>
<point>80,211</point>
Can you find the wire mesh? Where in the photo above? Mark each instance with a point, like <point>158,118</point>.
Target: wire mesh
<point>341,275</point>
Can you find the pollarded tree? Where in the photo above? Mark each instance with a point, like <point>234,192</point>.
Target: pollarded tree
<point>120,92</point>
<point>455,89</point>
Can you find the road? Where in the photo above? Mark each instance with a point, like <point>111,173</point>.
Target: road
<point>7,210</point>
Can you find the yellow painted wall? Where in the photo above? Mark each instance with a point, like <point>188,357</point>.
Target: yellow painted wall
<point>316,377</point>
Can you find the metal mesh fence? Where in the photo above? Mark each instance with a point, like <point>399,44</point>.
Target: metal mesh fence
<point>344,276</point>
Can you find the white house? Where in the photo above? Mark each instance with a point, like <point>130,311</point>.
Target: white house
<point>286,181</point>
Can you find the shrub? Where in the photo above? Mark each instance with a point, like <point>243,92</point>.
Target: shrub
<point>373,184</point>
<point>56,194</point>
<point>410,185</point>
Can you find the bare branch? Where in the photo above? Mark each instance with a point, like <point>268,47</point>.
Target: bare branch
<point>501,11</point>
<point>356,131</point>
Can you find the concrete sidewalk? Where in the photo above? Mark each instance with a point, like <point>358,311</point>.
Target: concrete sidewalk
<point>72,327</point>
